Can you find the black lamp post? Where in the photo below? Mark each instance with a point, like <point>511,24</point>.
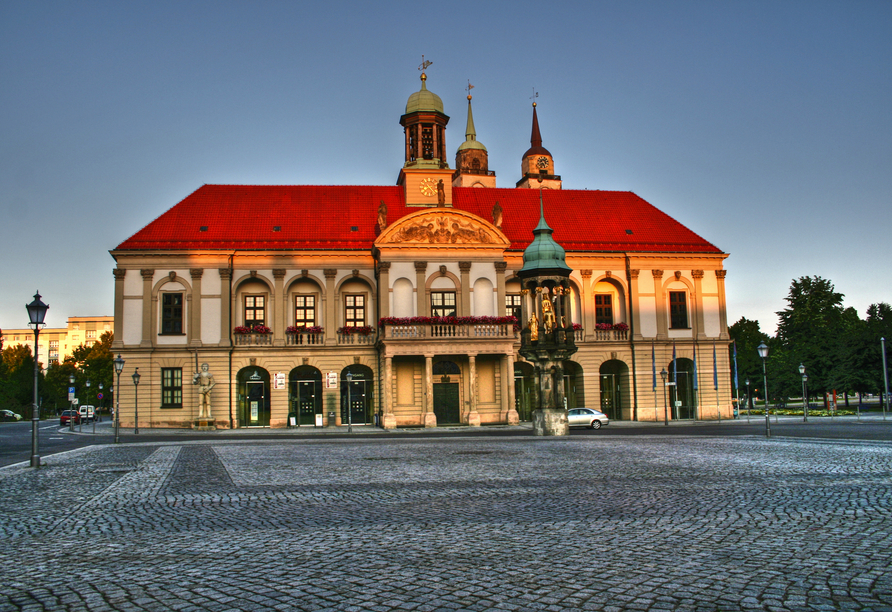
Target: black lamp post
<point>763,353</point>
<point>135,401</point>
<point>749,399</point>
<point>36,314</point>
<point>86,412</point>
<point>99,408</point>
<point>119,366</point>
<point>664,374</point>
<point>804,393</point>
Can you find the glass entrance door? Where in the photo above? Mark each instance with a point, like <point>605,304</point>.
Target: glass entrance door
<point>354,398</point>
<point>256,405</point>
<point>306,402</point>
<point>681,396</point>
<point>610,396</point>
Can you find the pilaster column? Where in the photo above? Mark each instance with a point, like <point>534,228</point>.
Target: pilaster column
<point>389,417</point>
<point>195,318</point>
<point>633,305</point>
<point>697,303</point>
<point>119,273</point>
<point>500,267</point>
<point>147,276</point>
<point>280,307</point>
<point>430,419</point>
<point>723,313</point>
<point>587,316</point>
<point>383,289</point>
<point>662,314</point>
<point>331,321</point>
<point>473,415</point>
<point>226,307</point>
<point>421,307</point>
<point>511,415</point>
<point>465,268</point>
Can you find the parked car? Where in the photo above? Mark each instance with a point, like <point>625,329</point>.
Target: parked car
<point>69,415</point>
<point>587,417</point>
<point>9,415</point>
<point>87,412</point>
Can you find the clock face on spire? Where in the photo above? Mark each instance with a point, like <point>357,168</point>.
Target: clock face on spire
<point>429,187</point>
<point>542,163</point>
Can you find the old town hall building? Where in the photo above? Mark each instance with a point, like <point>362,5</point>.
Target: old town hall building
<point>393,305</point>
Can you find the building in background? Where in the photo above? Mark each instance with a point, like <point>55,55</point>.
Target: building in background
<point>329,305</point>
<point>57,343</point>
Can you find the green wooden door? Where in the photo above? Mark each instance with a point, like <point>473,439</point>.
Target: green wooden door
<point>446,407</point>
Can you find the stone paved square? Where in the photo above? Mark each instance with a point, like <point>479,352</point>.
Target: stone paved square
<point>483,523</point>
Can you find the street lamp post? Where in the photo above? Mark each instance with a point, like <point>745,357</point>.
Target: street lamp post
<point>71,409</point>
<point>349,407</point>
<point>763,353</point>
<point>86,412</point>
<point>101,399</point>
<point>885,378</point>
<point>664,374</point>
<point>749,399</point>
<point>119,365</point>
<point>135,401</point>
<point>36,315</point>
<point>804,393</point>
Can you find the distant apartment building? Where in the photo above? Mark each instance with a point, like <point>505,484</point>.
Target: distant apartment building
<point>57,343</point>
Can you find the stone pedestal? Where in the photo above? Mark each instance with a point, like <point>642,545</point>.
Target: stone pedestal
<point>474,419</point>
<point>204,424</point>
<point>513,417</point>
<point>550,422</point>
<point>430,419</point>
<point>389,421</point>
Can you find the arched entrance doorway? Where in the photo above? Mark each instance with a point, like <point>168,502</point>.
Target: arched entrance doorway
<point>304,395</point>
<point>447,402</point>
<point>253,397</point>
<point>682,395</point>
<point>356,395</point>
<point>614,378</point>
<point>573,391</point>
<point>524,390</point>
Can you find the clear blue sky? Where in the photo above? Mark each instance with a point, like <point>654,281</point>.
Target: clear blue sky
<point>765,127</point>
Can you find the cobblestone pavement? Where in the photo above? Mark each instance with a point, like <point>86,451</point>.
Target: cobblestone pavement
<point>581,523</point>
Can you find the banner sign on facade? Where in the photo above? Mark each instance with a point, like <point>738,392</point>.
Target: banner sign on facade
<point>331,380</point>
<point>280,381</point>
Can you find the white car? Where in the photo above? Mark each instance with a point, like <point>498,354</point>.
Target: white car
<point>9,415</point>
<point>87,412</point>
<point>588,417</point>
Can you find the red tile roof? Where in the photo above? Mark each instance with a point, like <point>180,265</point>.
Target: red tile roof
<point>237,217</point>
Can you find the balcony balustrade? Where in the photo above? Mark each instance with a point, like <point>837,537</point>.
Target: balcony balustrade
<point>305,339</point>
<point>356,339</point>
<point>253,339</point>
<point>444,330</point>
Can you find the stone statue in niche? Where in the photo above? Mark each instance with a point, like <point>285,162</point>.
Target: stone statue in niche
<point>205,381</point>
<point>547,314</point>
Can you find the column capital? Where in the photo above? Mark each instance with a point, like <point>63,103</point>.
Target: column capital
<point>586,274</point>
<point>330,273</point>
<point>464,266</point>
<point>384,266</point>
<point>119,273</point>
<point>501,266</point>
<point>633,273</point>
<point>225,273</point>
<point>720,273</point>
<point>149,274</point>
<point>278,273</point>
<point>697,273</point>
<point>196,272</point>
<point>420,266</point>
<point>657,273</point>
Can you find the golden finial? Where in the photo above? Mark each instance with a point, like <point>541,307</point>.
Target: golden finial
<point>468,89</point>
<point>534,96</point>
<point>423,66</point>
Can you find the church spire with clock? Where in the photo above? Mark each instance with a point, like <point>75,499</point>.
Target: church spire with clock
<point>537,165</point>
<point>425,175</point>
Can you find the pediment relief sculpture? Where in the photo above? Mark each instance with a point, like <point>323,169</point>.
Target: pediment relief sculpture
<point>443,229</point>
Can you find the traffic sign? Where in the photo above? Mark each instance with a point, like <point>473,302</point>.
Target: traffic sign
<point>98,396</point>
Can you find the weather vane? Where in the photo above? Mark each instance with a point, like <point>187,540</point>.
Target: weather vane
<point>469,88</point>
<point>424,64</point>
<point>534,96</point>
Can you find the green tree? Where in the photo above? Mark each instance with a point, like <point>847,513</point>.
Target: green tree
<point>747,337</point>
<point>811,332</point>
<point>17,392</point>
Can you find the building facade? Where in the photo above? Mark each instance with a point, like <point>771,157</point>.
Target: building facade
<point>57,343</point>
<point>400,305</point>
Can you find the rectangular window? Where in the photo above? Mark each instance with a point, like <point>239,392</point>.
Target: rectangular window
<point>354,313</point>
<point>255,310</point>
<point>604,308</point>
<point>91,334</point>
<point>678,310</point>
<point>443,303</point>
<point>305,310</point>
<point>171,313</point>
<point>171,387</point>
<point>512,305</point>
